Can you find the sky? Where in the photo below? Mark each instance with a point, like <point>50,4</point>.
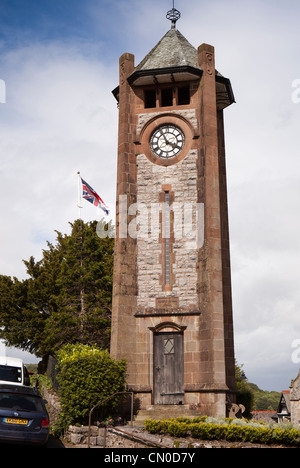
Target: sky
<point>58,65</point>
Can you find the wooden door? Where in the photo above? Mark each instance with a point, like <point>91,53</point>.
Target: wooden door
<point>168,369</point>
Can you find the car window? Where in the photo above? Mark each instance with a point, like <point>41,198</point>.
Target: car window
<point>14,401</point>
<point>10,374</point>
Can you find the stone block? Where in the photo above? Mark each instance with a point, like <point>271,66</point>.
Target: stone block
<point>75,439</point>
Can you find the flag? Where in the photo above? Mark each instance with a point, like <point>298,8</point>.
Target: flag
<point>89,194</point>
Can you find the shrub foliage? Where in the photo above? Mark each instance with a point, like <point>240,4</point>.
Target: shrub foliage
<point>231,430</point>
<point>87,375</point>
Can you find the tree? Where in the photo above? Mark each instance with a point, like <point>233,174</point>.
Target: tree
<point>14,327</point>
<point>265,400</point>
<point>67,297</point>
<point>84,288</point>
<point>245,394</point>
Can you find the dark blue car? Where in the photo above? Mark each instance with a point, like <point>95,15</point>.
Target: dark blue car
<point>23,415</point>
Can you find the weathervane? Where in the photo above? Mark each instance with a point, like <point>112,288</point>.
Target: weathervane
<point>173,15</point>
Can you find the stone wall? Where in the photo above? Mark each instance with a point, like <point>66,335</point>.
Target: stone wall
<point>295,401</point>
<point>182,180</point>
<point>137,438</point>
<point>53,403</point>
<point>79,435</point>
<point>189,114</point>
<point>264,416</point>
<point>132,438</point>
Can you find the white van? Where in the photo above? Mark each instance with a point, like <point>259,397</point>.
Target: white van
<point>13,371</point>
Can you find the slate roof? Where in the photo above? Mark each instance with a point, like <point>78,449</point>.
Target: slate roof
<point>173,50</point>
<point>285,402</point>
<point>175,59</point>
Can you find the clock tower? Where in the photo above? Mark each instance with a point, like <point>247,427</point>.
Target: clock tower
<point>172,307</point>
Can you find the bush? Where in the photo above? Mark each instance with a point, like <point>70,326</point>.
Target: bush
<point>228,430</point>
<point>208,431</point>
<point>87,375</point>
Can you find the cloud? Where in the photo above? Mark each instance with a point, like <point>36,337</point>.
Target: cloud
<point>256,47</point>
<point>60,118</point>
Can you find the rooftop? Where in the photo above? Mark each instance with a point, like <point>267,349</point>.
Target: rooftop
<point>173,50</point>
<point>174,59</point>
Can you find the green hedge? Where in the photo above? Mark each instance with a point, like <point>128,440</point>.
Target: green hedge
<point>259,434</point>
<point>87,375</point>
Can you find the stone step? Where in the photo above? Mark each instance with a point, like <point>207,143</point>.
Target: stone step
<point>165,412</point>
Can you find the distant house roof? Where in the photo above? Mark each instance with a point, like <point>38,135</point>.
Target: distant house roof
<point>284,404</point>
<point>263,412</point>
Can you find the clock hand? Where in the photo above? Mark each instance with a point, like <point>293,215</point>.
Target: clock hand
<point>165,138</point>
<point>174,145</point>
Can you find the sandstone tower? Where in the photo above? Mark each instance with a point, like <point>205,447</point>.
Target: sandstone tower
<point>172,307</point>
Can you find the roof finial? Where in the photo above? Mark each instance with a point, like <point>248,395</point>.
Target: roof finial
<point>173,15</point>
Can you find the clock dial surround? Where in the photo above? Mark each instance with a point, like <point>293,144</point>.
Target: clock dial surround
<point>143,139</point>
<point>167,141</point>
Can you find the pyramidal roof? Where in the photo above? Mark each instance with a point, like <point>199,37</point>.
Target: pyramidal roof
<point>175,59</point>
<point>173,50</point>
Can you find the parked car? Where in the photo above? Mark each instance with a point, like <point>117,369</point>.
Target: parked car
<point>23,415</point>
<point>13,370</point>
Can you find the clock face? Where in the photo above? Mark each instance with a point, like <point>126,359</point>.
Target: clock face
<point>167,141</point>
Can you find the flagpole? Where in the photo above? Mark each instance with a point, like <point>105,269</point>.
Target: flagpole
<point>79,204</point>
